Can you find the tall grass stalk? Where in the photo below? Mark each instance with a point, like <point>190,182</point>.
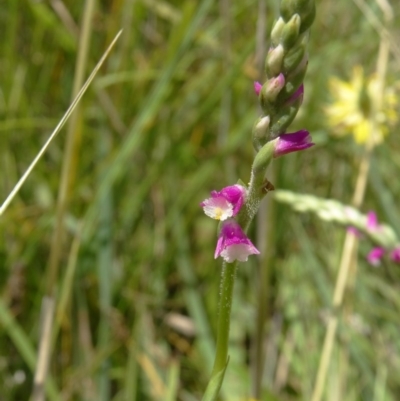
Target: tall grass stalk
<point>57,129</point>
<point>104,266</point>
<point>192,17</point>
<point>67,180</point>
<point>70,154</point>
<point>24,346</point>
<point>348,259</point>
<point>48,304</point>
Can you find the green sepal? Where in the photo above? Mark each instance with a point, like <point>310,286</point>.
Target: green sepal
<point>268,108</point>
<point>292,84</point>
<point>293,58</point>
<point>263,158</point>
<point>282,120</point>
<point>305,8</point>
<point>258,143</point>
<point>290,32</point>
<point>307,20</point>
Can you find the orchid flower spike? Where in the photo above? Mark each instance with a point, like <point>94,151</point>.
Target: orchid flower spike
<point>233,243</point>
<point>287,143</point>
<point>226,203</point>
<point>375,255</point>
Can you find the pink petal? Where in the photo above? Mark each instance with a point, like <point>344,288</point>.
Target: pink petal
<point>375,255</point>
<point>257,87</point>
<point>233,244</point>
<point>288,143</point>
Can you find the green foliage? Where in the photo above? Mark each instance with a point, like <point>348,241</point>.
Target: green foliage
<point>168,119</point>
<point>212,390</point>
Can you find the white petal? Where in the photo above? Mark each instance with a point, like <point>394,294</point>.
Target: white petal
<point>218,208</point>
<point>238,252</point>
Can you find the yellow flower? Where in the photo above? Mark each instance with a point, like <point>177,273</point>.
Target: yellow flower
<point>350,112</point>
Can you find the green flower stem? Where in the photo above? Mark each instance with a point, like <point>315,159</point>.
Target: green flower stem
<point>257,190</point>
<point>224,318</point>
<point>258,187</point>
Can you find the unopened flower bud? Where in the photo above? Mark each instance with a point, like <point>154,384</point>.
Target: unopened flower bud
<point>277,31</point>
<point>305,8</point>
<point>274,61</point>
<point>263,125</point>
<point>261,132</point>
<point>290,32</point>
<point>272,88</point>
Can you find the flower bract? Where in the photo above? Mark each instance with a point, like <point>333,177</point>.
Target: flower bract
<point>299,93</point>
<point>233,243</point>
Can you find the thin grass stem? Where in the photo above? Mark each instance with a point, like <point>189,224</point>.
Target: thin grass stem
<point>349,249</point>
<point>58,128</point>
<point>44,354</point>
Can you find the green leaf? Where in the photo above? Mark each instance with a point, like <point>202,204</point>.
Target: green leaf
<point>214,385</point>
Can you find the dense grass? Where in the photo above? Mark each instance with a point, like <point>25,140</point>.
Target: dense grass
<point>168,119</point>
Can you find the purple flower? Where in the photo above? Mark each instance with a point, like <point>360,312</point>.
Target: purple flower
<point>372,221</point>
<point>225,203</point>
<point>233,243</point>
<point>395,255</point>
<point>375,255</point>
<point>287,143</point>
<point>257,87</point>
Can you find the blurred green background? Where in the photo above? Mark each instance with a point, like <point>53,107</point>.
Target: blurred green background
<point>168,119</point>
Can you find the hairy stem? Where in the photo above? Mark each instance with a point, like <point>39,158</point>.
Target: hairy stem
<point>224,317</point>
